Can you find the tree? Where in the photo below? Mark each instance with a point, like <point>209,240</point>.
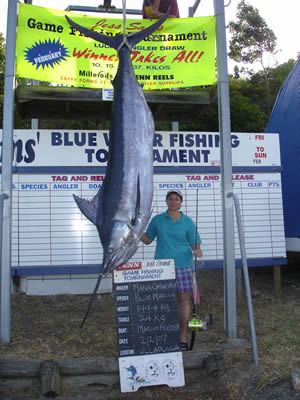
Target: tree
<point>251,41</point>
<point>246,115</point>
<point>18,122</point>
<point>251,37</point>
<point>276,77</point>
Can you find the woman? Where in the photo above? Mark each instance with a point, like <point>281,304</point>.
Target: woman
<point>157,8</point>
<point>176,233</point>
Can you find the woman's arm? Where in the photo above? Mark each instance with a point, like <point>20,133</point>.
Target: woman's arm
<point>156,13</point>
<point>156,4</point>
<point>145,239</point>
<point>170,15</point>
<point>155,10</point>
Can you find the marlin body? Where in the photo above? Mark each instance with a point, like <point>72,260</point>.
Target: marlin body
<point>122,207</point>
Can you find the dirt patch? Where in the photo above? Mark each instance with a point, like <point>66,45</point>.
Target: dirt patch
<point>47,327</point>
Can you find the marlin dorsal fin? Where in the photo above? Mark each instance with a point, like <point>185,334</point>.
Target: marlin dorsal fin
<point>88,207</point>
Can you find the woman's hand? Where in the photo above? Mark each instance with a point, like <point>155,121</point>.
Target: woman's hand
<point>145,239</point>
<point>198,253</point>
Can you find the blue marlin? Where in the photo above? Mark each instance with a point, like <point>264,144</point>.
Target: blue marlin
<point>133,372</point>
<point>122,207</point>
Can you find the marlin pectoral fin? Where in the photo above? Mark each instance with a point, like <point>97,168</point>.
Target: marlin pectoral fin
<point>138,203</point>
<point>88,207</point>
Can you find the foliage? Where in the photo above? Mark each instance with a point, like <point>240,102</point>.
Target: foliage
<point>276,77</point>
<point>18,121</point>
<point>251,104</point>
<point>251,36</point>
<point>251,41</point>
<point>249,109</point>
<point>246,116</point>
<point>207,120</point>
<point>2,53</point>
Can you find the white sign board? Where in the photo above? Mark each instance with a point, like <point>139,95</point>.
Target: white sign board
<point>40,148</point>
<point>49,229</point>
<point>52,165</point>
<point>139,271</point>
<point>163,369</point>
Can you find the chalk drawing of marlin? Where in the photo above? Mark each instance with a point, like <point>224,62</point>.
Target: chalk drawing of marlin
<point>122,207</point>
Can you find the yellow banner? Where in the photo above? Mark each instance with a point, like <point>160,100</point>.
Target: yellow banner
<point>181,53</point>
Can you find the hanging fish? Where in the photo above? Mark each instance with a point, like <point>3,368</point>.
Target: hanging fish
<point>122,207</point>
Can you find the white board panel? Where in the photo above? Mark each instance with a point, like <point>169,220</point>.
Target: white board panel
<point>56,233</point>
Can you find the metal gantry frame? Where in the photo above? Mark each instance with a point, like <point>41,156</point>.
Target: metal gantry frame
<point>7,161</point>
<point>230,320</point>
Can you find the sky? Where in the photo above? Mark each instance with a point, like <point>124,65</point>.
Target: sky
<point>281,16</point>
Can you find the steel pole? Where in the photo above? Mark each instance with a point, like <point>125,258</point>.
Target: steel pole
<point>246,275</point>
<point>2,198</point>
<point>7,159</point>
<point>230,320</point>
<point>193,9</point>
<point>34,122</point>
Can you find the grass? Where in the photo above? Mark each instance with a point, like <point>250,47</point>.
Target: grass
<point>47,327</point>
<point>278,335</point>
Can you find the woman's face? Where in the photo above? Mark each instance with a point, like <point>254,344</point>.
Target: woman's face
<point>174,202</point>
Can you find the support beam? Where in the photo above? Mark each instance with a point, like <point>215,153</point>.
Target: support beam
<point>193,9</point>
<point>110,10</point>
<point>277,281</point>
<point>7,159</point>
<point>230,319</point>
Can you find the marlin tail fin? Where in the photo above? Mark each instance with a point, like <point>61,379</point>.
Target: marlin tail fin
<point>115,41</point>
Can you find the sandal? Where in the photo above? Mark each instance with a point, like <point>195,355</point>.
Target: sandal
<point>183,346</point>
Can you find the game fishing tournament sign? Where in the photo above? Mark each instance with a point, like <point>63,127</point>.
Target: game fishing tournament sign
<point>147,325</point>
<point>181,53</point>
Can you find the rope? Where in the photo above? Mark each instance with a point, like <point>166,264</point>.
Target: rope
<point>196,296</point>
<point>124,42</point>
<point>124,19</point>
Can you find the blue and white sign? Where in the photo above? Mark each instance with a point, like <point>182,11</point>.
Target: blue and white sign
<point>163,369</point>
<point>40,148</point>
<point>50,232</point>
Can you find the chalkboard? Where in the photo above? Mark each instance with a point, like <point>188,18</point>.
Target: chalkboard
<point>147,325</point>
<point>147,318</point>
<point>146,308</point>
